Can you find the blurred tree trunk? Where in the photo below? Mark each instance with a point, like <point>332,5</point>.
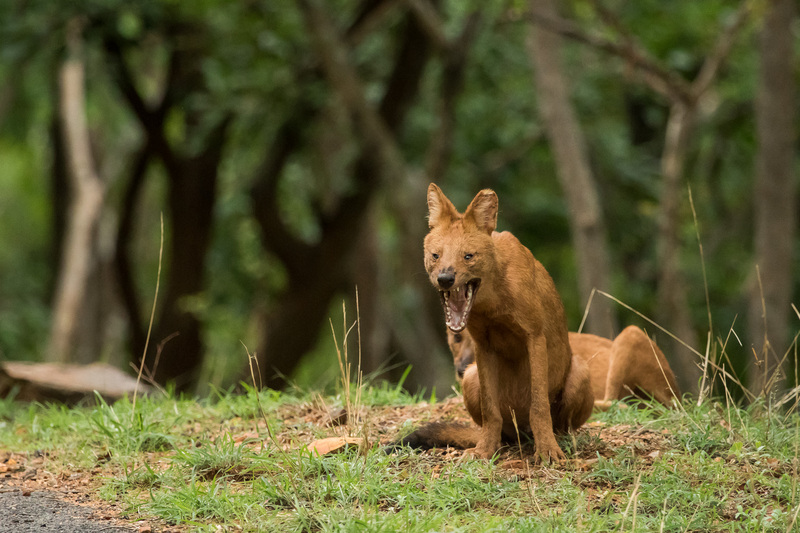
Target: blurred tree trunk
<point>59,192</point>
<point>122,264</point>
<point>774,198</point>
<point>191,197</point>
<point>572,165</point>
<point>316,272</point>
<point>192,170</point>
<point>370,279</point>
<point>87,192</point>
<point>673,305</point>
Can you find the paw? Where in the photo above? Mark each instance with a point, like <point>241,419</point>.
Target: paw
<point>480,452</point>
<point>605,405</point>
<point>549,454</point>
<point>602,405</point>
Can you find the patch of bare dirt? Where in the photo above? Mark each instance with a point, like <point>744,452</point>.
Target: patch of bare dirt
<point>69,496</point>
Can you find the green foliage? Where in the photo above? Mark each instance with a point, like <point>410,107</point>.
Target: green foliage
<point>24,284</point>
<point>258,66</point>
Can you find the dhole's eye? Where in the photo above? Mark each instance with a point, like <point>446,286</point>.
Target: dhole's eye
<point>435,256</point>
<point>468,256</point>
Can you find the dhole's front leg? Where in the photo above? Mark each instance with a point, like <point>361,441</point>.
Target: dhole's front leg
<point>491,420</point>
<point>547,448</point>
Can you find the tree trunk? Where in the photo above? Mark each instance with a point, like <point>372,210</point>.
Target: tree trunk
<point>673,307</point>
<point>574,173</point>
<point>318,271</point>
<point>192,193</point>
<point>59,195</point>
<point>372,292</point>
<point>122,264</point>
<point>192,170</point>
<point>87,196</point>
<point>774,198</point>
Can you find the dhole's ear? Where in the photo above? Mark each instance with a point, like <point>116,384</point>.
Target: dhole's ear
<point>482,211</point>
<point>440,209</point>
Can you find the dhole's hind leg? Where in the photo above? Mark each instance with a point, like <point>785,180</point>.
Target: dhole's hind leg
<point>637,364</point>
<point>577,399</point>
<point>621,359</point>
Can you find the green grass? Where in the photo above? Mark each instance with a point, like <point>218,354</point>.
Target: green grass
<point>238,461</point>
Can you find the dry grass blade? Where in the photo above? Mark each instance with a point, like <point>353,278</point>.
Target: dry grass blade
<point>586,310</point>
<point>794,478</point>
<point>794,519</point>
<point>528,483</point>
<point>663,516</point>
<point>766,346</point>
<point>631,503</point>
<point>794,393</point>
<point>252,361</point>
<point>352,400</point>
<point>152,319</point>
<point>701,394</point>
<point>675,400</point>
<point>651,321</point>
<point>711,363</point>
<point>724,373</point>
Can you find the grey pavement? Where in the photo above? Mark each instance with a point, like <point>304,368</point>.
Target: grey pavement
<point>41,511</point>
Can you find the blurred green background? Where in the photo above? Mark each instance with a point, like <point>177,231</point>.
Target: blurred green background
<point>288,146</point>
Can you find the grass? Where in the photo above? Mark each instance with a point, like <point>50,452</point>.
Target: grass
<point>237,462</point>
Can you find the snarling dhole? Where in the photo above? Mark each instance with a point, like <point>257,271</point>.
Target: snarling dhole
<point>631,365</point>
<point>525,378</point>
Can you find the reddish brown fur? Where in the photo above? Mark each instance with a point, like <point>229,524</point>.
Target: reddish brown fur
<point>636,366</point>
<point>630,365</point>
<point>525,371</point>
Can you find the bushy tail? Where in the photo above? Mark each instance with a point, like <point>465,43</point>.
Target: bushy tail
<point>440,435</point>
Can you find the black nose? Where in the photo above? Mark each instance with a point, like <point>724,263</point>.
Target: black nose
<point>446,279</point>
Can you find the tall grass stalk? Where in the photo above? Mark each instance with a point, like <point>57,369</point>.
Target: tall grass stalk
<point>702,391</point>
<point>352,400</point>
<point>152,319</point>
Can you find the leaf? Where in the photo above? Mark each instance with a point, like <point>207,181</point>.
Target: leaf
<point>333,444</point>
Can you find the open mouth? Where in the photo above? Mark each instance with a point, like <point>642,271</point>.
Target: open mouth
<point>457,303</point>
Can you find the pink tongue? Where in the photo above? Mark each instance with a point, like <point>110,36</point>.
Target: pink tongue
<point>457,304</point>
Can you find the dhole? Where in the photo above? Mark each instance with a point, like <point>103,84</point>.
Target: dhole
<point>491,286</point>
<point>630,365</point>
